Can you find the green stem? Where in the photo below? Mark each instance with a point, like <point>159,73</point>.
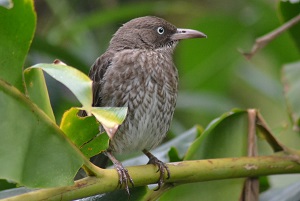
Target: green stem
<point>181,172</point>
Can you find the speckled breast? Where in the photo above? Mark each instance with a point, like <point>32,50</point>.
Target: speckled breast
<point>146,82</point>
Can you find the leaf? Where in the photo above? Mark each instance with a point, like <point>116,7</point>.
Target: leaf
<point>6,185</point>
<point>99,144</point>
<point>79,129</point>
<point>110,118</point>
<point>37,91</point>
<point>208,191</point>
<point>33,150</point>
<point>288,10</point>
<point>81,86</point>
<point>225,136</point>
<point>220,135</point>
<point>264,183</point>
<point>173,155</point>
<point>17,30</point>
<point>73,79</point>
<point>266,133</point>
<point>82,131</point>
<point>291,81</point>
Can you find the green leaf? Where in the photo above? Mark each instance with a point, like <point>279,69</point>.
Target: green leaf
<point>33,150</point>
<point>264,183</point>
<point>81,86</point>
<point>288,10</point>
<point>291,81</point>
<point>82,131</point>
<point>99,144</point>
<point>110,117</point>
<point>37,91</point>
<point>225,136</point>
<point>79,129</point>
<point>208,191</point>
<point>73,79</point>
<point>173,155</point>
<point>17,30</point>
<point>4,184</point>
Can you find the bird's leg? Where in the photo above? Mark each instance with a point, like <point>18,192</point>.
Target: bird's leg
<point>161,167</point>
<point>124,177</point>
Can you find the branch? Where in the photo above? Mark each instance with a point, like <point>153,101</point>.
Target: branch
<point>181,172</point>
<point>264,40</point>
<point>251,186</point>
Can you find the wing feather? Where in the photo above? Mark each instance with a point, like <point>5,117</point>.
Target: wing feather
<point>97,73</point>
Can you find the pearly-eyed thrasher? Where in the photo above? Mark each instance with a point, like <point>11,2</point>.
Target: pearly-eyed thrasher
<point>137,71</point>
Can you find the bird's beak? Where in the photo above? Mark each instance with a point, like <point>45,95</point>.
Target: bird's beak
<point>187,33</point>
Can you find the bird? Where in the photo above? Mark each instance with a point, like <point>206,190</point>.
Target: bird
<point>137,71</point>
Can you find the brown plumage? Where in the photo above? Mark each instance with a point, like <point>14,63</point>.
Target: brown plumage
<point>137,71</point>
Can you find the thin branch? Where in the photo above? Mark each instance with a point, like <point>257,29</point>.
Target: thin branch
<point>267,133</point>
<point>264,40</point>
<point>181,172</point>
<point>252,147</point>
<point>251,186</point>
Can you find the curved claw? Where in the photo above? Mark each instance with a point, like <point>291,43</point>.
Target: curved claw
<point>124,177</point>
<point>162,168</point>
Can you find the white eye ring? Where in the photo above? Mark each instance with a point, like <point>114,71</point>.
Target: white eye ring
<point>160,30</point>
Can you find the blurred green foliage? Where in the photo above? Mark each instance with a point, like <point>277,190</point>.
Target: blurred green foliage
<point>214,76</point>
<point>12,23</point>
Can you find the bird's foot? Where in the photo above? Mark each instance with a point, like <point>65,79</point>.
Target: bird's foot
<point>162,168</point>
<point>124,177</point>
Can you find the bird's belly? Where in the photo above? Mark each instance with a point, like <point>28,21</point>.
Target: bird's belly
<point>147,122</point>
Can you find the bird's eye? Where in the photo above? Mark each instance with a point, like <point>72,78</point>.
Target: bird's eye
<point>160,30</point>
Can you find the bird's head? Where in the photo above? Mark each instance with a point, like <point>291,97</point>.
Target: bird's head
<point>150,33</point>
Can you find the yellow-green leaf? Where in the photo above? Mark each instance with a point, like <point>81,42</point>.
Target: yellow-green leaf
<point>79,130</point>
<point>99,144</point>
<point>79,83</point>
<point>110,117</point>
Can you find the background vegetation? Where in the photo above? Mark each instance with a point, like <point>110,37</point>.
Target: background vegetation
<point>214,76</point>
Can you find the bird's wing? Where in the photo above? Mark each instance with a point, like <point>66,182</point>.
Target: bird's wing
<point>97,73</point>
